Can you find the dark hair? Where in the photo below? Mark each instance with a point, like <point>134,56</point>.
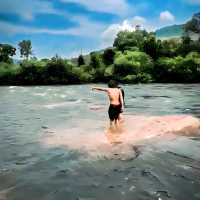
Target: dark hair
<point>112,84</point>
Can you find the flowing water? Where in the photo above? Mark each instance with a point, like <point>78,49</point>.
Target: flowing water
<point>54,144</point>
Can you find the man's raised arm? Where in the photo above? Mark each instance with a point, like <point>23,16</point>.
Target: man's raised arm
<point>100,89</point>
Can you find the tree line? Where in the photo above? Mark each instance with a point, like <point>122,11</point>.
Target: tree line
<point>135,57</point>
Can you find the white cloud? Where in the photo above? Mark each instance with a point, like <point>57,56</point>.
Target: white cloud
<point>26,9</point>
<point>166,16</point>
<point>85,28</point>
<point>110,32</point>
<point>138,20</point>
<point>119,7</point>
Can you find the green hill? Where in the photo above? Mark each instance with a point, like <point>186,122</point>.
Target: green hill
<point>170,31</point>
<point>191,27</point>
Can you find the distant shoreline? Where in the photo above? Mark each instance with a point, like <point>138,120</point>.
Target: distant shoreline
<point>75,84</point>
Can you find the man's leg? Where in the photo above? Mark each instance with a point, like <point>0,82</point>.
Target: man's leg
<point>111,123</point>
<point>121,118</point>
<point>116,123</point>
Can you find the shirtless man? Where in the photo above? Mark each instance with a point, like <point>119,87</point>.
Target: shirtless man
<point>116,101</point>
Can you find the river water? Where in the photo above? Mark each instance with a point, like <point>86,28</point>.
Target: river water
<point>49,138</point>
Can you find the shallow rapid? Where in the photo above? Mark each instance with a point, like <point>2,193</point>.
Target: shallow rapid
<point>55,144</point>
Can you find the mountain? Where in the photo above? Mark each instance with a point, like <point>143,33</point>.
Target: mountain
<point>192,28</point>
<point>170,31</point>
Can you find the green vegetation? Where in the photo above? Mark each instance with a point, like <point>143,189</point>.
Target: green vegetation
<point>193,25</point>
<point>81,60</point>
<point>25,48</point>
<point>6,52</point>
<point>136,57</point>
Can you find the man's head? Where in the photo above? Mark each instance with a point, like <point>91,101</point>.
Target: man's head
<point>112,84</point>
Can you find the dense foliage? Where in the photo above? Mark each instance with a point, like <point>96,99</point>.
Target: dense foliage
<point>135,57</point>
<point>6,52</point>
<point>193,24</point>
<point>25,48</point>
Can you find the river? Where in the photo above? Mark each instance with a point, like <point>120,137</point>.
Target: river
<point>50,136</point>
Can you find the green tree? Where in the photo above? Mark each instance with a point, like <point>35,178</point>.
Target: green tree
<point>108,73</point>
<point>56,70</point>
<point>192,25</point>
<point>178,69</point>
<point>32,72</point>
<point>127,40</point>
<point>185,46</point>
<point>25,48</point>
<point>150,46</point>
<point>167,48</point>
<point>164,69</point>
<point>81,60</point>
<point>108,56</point>
<point>8,73</point>
<point>186,40</point>
<point>95,60</point>
<point>6,52</point>
<point>132,63</point>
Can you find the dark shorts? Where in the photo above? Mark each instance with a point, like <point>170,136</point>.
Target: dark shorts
<point>114,111</point>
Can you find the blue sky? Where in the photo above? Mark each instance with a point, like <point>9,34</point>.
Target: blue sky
<point>67,27</point>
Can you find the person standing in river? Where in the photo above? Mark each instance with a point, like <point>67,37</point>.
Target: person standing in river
<point>123,95</point>
<point>116,101</point>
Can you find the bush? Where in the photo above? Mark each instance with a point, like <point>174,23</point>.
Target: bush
<point>178,69</point>
<point>95,60</point>
<point>131,63</point>
<point>8,73</point>
<point>58,71</point>
<point>32,72</point>
<point>127,40</point>
<point>86,77</point>
<point>108,73</point>
<point>144,78</point>
<point>130,79</point>
<point>108,56</point>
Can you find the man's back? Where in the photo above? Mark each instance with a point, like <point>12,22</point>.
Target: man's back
<point>114,96</point>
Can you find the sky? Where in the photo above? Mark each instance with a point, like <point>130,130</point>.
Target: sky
<point>71,27</point>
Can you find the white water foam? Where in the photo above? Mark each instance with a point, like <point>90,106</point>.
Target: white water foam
<point>40,94</point>
<point>63,96</point>
<point>11,87</point>
<point>61,104</point>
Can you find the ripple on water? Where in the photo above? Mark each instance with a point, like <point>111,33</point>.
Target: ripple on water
<point>74,157</point>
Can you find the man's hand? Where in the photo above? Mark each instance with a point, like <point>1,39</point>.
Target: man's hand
<point>94,88</point>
